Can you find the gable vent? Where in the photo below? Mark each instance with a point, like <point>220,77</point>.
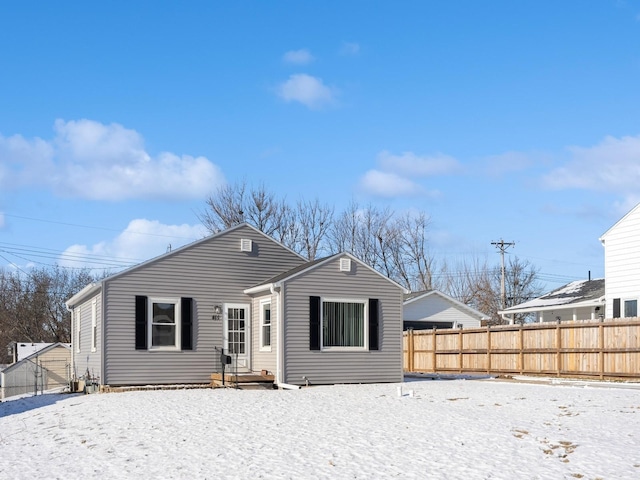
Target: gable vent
<point>345,264</point>
<point>246,245</point>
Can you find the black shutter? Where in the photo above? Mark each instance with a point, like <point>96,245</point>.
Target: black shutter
<point>314,323</point>
<point>141,323</point>
<point>616,308</point>
<point>186,319</point>
<point>373,324</point>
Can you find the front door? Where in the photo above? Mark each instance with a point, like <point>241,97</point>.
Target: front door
<point>237,335</point>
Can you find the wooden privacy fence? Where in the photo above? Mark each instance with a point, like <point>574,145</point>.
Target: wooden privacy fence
<point>605,349</point>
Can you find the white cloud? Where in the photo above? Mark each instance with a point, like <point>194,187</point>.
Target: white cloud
<point>141,240</point>
<point>349,48</point>
<point>2,221</point>
<point>411,164</point>
<point>611,166</point>
<point>88,159</point>
<point>397,173</point>
<point>298,57</point>
<point>308,90</point>
<point>508,162</point>
<point>387,184</point>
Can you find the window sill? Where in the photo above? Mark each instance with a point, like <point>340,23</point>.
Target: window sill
<point>344,349</point>
<point>164,349</point>
<point>265,349</point>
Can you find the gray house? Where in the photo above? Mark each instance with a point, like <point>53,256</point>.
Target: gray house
<point>165,321</point>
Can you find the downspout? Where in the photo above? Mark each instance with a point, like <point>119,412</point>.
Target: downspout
<point>103,335</point>
<point>73,346</point>
<point>277,289</point>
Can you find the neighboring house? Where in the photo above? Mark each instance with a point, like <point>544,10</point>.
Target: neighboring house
<point>622,266</point>
<point>45,369</point>
<point>579,300</point>
<point>20,350</point>
<point>333,320</point>
<point>433,309</point>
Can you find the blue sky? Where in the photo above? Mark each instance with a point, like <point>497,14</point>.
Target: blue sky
<point>513,120</point>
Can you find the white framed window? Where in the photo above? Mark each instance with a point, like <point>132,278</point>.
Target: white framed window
<point>94,324</point>
<point>630,308</point>
<point>265,325</point>
<point>77,317</point>
<point>344,324</point>
<point>164,324</point>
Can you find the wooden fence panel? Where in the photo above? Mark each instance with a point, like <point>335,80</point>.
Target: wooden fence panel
<point>609,349</point>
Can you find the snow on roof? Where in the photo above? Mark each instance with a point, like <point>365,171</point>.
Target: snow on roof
<point>574,292</point>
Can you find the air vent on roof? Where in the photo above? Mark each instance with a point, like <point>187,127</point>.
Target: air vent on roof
<point>345,264</point>
<point>246,245</point>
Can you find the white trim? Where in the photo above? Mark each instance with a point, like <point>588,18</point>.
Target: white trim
<point>365,340</point>
<point>602,237</point>
<point>177,322</point>
<point>280,372</point>
<point>263,303</point>
<point>78,319</point>
<point>246,356</point>
<point>85,292</point>
<point>94,324</point>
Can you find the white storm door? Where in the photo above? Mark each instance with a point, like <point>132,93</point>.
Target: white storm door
<point>237,338</point>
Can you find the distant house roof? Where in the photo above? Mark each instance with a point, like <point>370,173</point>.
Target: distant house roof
<point>581,293</point>
<point>415,296</point>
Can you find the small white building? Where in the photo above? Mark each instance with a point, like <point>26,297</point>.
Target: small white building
<point>429,309</point>
<point>622,266</point>
<point>46,369</point>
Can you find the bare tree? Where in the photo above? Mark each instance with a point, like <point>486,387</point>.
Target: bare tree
<point>415,262</point>
<point>314,221</point>
<point>521,285</point>
<point>225,208</point>
<point>32,305</point>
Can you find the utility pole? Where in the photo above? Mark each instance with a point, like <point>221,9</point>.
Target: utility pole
<point>502,247</point>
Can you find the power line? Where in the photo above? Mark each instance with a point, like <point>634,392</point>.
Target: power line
<point>95,227</point>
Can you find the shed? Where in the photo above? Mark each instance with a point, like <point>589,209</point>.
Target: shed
<point>46,369</point>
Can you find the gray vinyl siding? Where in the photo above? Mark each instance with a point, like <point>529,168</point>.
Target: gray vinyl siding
<point>211,272</point>
<point>326,367</point>
<point>87,360</point>
<point>264,360</point>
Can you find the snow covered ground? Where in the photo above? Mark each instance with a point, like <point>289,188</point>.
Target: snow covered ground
<point>459,429</point>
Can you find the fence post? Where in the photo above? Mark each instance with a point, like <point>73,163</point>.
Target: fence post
<point>488,348</point>
<point>558,345</point>
<point>434,354</point>
<point>601,346</point>
<point>411,350</point>
<point>460,347</point>
<point>521,347</point>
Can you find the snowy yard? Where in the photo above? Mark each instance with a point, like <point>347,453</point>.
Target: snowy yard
<point>461,429</point>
